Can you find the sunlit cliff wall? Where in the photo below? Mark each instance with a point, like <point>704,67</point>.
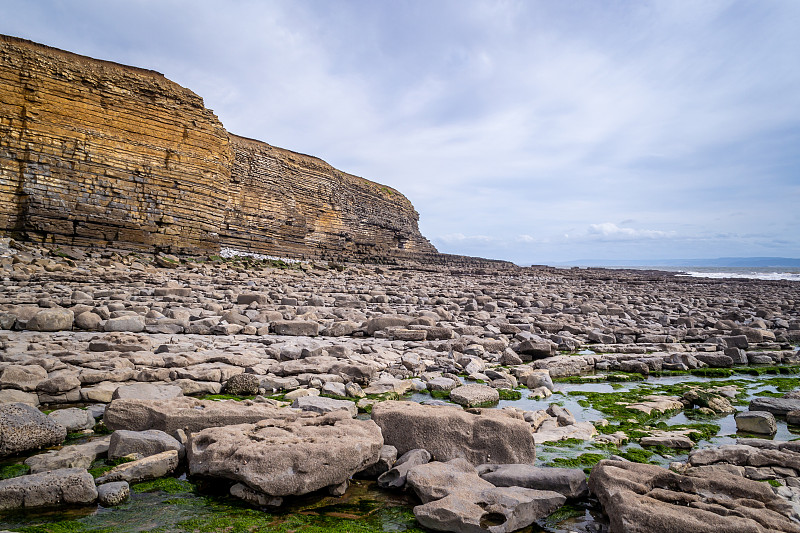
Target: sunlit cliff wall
<point>93,153</point>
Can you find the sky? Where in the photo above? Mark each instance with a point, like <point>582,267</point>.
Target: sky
<point>537,131</point>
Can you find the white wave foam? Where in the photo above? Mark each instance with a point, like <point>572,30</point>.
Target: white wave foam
<point>772,276</point>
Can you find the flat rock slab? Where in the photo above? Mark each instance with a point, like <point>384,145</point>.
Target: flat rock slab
<point>188,414</point>
<point>146,391</point>
<point>450,432</point>
<point>744,455</point>
<point>74,456</point>
<point>69,486</point>
<point>23,427</point>
<point>144,443</point>
<point>153,467</point>
<point>642,498</point>
<point>571,482</point>
<point>321,404</point>
<point>496,510</point>
<point>776,406</point>
<point>281,457</point>
<point>456,499</point>
<point>474,395</point>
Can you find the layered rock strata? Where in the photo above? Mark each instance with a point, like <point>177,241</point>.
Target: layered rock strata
<point>96,154</point>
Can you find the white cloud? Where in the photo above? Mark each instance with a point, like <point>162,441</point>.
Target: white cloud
<point>609,229</point>
<point>498,118</point>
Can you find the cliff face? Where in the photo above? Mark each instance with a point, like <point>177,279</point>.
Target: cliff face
<point>300,206</point>
<point>94,153</point>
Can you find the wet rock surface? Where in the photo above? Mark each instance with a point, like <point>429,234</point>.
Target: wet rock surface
<point>576,365</point>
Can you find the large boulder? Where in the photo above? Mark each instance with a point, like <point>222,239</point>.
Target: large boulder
<point>281,457</point>
<point>23,427</point>
<point>450,432</point>
<point>186,413</point>
<point>55,319</point>
<point>68,486</point>
<point>642,498</point>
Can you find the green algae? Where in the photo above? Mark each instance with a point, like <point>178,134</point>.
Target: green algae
<point>168,485</point>
<point>15,470</point>
<point>509,394</point>
<point>565,512</point>
<point>636,455</point>
<point>102,466</point>
<point>224,397</point>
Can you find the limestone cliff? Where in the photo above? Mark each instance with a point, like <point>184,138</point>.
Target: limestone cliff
<point>297,205</point>
<point>94,153</point>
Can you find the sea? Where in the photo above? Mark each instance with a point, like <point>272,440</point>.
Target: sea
<point>765,273</point>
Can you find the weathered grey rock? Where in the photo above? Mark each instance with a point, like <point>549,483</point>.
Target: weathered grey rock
<point>48,489</point>
<point>114,493</point>
<point>561,414</point>
<point>450,432</point>
<point>144,443</point>
<point>570,482</point>
<point>793,418</point>
<point>18,396</point>
<point>185,413</point>
<point>436,480</point>
<point>395,478</point>
<point>146,391</point>
<point>715,360</point>
<point>321,404</point>
<point>442,383</point>
<point>456,499</point>
<point>22,377</point>
<point>74,456</point>
<point>334,388</point>
<point>776,406</point>
<point>641,498</point>
<point>243,385</point>
<point>88,321</point>
<point>152,467</point>
<point>23,428</point>
<point>497,510</point>
<point>281,458</point>
<point>73,419</point>
<point>474,395</point>
<point>539,378</point>
<point>130,323</point>
<point>55,319</point>
<point>301,328</point>
<point>761,422</point>
<point>387,458</point>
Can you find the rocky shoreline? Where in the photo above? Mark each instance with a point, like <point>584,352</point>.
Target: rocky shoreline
<point>278,380</point>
